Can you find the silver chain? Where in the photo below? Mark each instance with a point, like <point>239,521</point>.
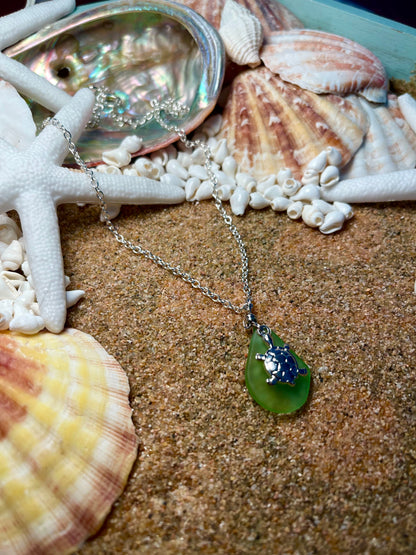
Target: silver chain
<point>109,104</point>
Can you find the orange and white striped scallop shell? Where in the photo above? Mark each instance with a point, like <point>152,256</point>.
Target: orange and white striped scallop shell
<point>270,124</point>
<point>67,442</point>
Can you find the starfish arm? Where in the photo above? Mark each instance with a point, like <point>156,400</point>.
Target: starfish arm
<point>31,85</point>
<point>23,23</point>
<point>73,116</point>
<point>74,186</point>
<point>6,150</point>
<point>40,228</point>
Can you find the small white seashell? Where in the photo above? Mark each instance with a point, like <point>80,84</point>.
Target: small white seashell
<point>195,170</point>
<point>26,268</point>
<point>130,170</point>
<point>220,152</point>
<point>113,210</point>
<point>310,177</point>
<point>118,157</point>
<point>184,159</point>
<point>172,179</point>
<point>191,187</point>
<point>224,179</point>
<point>173,166</point>
<point>257,201</point>
<point>290,186</point>
<point>212,125</point>
<point>246,181</point>
<point>266,182</point>
<point>273,192</point>
<point>241,33</point>
<point>6,313</point>
<point>24,321</point>
<point>112,170</point>
<point>407,105</point>
<point>308,193</point>
<point>280,204</point>
<point>200,136</point>
<point>204,191</point>
<point>239,201</point>
<point>334,156</point>
<point>294,210</point>
<point>147,168</point>
<point>9,230</point>
<point>283,174</point>
<point>15,279</point>
<point>198,156</point>
<point>67,281</point>
<point>319,162</point>
<point>163,155</point>
<point>345,208</point>
<point>225,191</point>
<point>312,216</point>
<point>323,206</point>
<point>333,222</point>
<point>7,290</point>
<point>12,257</point>
<point>229,166</point>
<point>329,177</point>
<point>132,143</point>
<point>72,297</point>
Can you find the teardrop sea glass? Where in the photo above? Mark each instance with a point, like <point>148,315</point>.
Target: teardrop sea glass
<point>282,398</point>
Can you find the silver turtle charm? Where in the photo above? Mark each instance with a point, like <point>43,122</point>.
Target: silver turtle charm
<point>279,363</point>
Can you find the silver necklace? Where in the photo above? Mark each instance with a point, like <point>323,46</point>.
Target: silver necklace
<point>276,377</point>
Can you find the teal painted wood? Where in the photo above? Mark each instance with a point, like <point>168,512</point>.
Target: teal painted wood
<point>394,43</point>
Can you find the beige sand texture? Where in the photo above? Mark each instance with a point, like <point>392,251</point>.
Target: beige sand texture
<point>217,474</point>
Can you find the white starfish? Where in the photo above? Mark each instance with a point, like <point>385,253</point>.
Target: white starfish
<point>18,25</point>
<point>33,182</point>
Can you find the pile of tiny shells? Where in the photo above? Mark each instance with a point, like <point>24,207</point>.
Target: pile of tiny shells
<point>19,310</point>
<point>186,168</point>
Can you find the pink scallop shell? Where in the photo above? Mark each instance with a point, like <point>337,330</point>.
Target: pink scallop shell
<point>325,63</point>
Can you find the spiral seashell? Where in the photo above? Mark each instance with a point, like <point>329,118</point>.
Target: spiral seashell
<point>132,143</point>
<point>290,186</point>
<point>266,183</point>
<point>195,170</point>
<point>191,187</point>
<point>318,163</point>
<point>172,179</point>
<point>67,444</point>
<point>225,191</point>
<point>280,204</point>
<point>112,170</point>
<point>163,155</point>
<point>239,201</point>
<point>307,193</point>
<point>204,191</point>
<point>241,33</point>
<point>175,167</point>
<point>294,210</point>
<point>258,201</point>
<point>333,222</point>
<point>334,156</point>
<point>147,168</point>
<point>323,206</point>
<point>229,166</point>
<point>12,256</point>
<point>220,152</point>
<point>345,208</point>
<point>329,177</point>
<point>312,216</point>
<point>283,174</point>
<point>310,177</point>
<point>24,321</point>
<point>273,192</point>
<point>317,61</point>
<point>117,157</point>
<point>246,181</point>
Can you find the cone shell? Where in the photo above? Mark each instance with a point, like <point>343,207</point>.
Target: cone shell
<point>389,145</point>
<point>67,442</point>
<point>272,15</point>
<point>325,63</point>
<point>270,124</point>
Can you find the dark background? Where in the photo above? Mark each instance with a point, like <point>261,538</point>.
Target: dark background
<point>403,11</point>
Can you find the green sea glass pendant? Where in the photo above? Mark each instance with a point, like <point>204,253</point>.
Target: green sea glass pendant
<point>276,378</point>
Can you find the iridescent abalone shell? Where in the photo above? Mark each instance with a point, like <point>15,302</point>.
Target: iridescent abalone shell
<point>140,50</point>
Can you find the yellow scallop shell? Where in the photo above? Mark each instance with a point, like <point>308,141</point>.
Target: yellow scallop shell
<point>67,441</point>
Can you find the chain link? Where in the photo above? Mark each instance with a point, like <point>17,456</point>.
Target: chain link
<point>110,105</point>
